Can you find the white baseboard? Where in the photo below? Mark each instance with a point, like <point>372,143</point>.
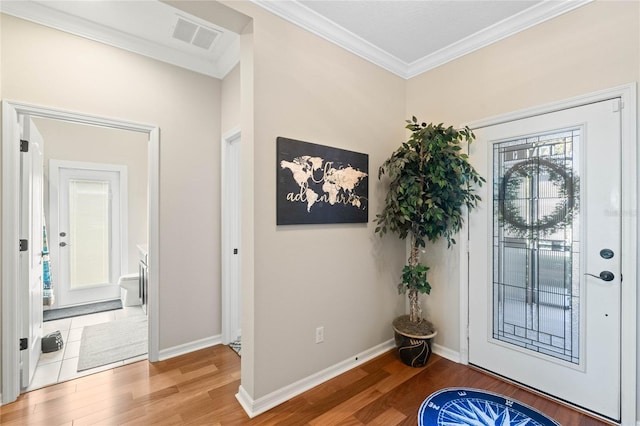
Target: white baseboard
<point>445,352</point>
<point>189,347</point>
<point>246,402</point>
<point>267,402</point>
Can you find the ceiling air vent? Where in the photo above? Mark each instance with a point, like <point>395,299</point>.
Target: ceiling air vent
<point>195,34</point>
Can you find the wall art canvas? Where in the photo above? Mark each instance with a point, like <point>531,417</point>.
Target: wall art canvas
<point>320,184</point>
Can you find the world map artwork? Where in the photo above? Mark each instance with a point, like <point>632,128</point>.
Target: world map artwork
<point>320,184</point>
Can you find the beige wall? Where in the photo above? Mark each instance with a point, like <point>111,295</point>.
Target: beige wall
<point>247,103</point>
<point>341,277</point>
<point>594,47</point>
<point>590,48</point>
<point>46,67</point>
<point>82,143</point>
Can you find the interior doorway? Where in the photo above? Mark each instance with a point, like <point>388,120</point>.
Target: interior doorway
<point>89,174</point>
<point>231,237</point>
<point>12,293</point>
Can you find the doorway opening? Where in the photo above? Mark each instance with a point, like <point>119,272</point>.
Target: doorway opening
<point>231,238</point>
<point>141,244</point>
<point>88,173</point>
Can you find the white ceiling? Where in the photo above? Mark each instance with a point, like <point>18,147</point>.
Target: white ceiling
<point>404,37</point>
<point>414,36</point>
<point>411,30</point>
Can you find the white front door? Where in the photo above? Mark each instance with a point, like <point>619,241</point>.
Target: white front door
<point>31,231</point>
<point>545,255</point>
<point>87,218</point>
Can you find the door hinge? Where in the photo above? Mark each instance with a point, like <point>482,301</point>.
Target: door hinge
<point>24,245</point>
<point>24,343</point>
<point>24,145</point>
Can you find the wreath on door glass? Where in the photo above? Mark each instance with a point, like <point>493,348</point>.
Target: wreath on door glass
<point>566,184</point>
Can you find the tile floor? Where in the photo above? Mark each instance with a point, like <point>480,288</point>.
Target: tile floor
<point>62,365</point>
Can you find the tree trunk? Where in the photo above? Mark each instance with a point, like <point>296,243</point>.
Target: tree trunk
<point>415,311</point>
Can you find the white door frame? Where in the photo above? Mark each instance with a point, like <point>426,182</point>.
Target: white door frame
<point>231,195</point>
<point>630,265</point>
<point>10,388</point>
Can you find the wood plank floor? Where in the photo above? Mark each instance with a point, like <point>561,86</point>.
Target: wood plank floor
<point>199,389</point>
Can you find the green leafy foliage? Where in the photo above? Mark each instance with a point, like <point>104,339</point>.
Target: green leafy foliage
<point>415,276</point>
<point>430,182</point>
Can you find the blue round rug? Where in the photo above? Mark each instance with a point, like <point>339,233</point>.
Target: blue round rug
<point>475,407</point>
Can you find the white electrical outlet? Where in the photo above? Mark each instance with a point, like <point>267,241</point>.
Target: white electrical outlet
<point>319,334</point>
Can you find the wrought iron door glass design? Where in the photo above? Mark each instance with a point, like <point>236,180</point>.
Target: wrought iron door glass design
<point>536,280</point>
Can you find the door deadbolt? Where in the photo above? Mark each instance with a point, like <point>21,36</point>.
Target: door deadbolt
<point>63,244</point>
<point>606,253</point>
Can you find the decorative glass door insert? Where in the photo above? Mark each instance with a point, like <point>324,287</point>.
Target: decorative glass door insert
<point>536,281</point>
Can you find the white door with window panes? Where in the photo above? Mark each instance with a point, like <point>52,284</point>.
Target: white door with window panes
<point>89,201</point>
<point>545,255</point>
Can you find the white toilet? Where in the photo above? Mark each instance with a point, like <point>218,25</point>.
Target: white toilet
<point>129,290</point>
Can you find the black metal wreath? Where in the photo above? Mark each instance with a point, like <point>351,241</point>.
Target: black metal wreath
<point>563,212</point>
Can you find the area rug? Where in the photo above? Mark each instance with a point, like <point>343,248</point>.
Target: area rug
<point>113,341</point>
<point>475,407</point>
<point>76,311</point>
<point>236,346</point>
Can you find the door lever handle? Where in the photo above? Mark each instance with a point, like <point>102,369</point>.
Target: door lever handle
<point>604,275</point>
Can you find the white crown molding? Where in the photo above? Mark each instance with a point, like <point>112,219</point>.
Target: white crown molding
<point>56,19</point>
<point>526,19</point>
<point>310,20</point>
<point>300,15</point>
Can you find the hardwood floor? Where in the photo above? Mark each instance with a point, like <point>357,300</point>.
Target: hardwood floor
<point>199,389</point>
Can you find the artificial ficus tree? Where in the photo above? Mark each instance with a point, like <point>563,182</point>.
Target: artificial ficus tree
<point>430,184</point>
